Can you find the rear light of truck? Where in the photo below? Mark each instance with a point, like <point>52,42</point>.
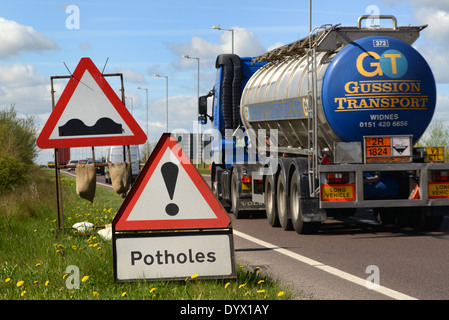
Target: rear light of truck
<point>440,176</point>
<point>247,179</point>
<point>337,178</point>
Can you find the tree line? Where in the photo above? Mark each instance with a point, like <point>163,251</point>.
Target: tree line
<point>17,147</point>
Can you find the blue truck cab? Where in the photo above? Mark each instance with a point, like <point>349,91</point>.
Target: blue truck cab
<point>232,75</point>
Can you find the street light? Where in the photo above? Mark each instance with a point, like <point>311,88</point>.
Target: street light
<point>166,98</point>
<point>147,151</point>
<point>186,56</point>
<point>232,31</point>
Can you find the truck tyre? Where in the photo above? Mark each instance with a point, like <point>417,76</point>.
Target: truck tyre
<point>283,203</point>
<point>214,183</point>
<point>385,216</point>
<point>270,201</point>
<point>429,218</point>
<point>298,223</point>
<point>235,200</point>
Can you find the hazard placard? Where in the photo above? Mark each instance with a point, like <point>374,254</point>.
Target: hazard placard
<point>89,113</point>
<point>170,194</point>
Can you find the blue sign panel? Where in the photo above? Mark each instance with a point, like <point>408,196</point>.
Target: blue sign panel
<point>378,86</point>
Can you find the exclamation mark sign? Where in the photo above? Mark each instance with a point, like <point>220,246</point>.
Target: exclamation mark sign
<point>169,172</point>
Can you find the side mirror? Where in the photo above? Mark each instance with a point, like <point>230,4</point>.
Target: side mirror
<point>202,105</point>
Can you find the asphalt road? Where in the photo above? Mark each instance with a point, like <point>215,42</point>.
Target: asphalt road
<point>351,258</point>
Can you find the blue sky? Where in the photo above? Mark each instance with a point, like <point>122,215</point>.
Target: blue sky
<point>141,38</point>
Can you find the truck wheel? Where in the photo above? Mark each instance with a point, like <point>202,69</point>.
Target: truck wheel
<point>385,216</point>
<point>270,201</point>
<point>214,184</point>
<point>235,201</point>
<point>298,223</point>
<point>283,204</point>
<point>429,218</point>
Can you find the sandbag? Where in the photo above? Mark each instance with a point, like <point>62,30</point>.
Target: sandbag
<point>120,177</point>
<point>86,181</point>
<point>83,226</point>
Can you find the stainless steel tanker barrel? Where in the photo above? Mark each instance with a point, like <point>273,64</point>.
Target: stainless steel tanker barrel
<point>376,85</point>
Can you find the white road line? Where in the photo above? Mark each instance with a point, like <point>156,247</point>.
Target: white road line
<point>336,272</point>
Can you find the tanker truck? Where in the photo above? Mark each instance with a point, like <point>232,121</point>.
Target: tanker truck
<point>327,125</point>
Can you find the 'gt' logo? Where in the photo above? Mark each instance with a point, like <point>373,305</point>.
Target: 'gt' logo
<point>392,63</point>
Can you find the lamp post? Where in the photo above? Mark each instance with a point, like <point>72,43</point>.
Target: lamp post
<point>186,56</point>
<point>147,146</point>
<point>232,31</point>
<point>166,98</point>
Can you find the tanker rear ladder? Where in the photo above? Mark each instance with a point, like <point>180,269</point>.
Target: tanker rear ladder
<point>313,40</point>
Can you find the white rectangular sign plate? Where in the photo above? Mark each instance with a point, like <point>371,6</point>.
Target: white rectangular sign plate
<point>173,255</point>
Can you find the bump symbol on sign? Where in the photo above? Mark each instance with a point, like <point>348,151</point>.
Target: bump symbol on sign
<point>169,172</point>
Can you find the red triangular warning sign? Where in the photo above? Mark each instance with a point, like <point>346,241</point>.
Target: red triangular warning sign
<point>170,194</point>
<point>89,113</point>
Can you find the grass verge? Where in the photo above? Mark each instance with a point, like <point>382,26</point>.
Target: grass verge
<point>37,263</point>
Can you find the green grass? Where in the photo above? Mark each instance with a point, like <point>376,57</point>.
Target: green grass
<point>36,262</point>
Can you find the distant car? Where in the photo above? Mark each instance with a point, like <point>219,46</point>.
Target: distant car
<point>99,170</point>
<point>83,161</point>
<point>51,164</point>
<point>72,163</point>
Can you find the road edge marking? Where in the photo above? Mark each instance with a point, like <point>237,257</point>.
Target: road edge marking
<point>329,269</point>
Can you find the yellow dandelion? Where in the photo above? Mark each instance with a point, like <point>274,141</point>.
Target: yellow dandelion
<point>194,276</point>
<point>65,275</point>
<point>95,293</point>
<point>47,283</point>
<point>20,283</point>
<point>242,285</point>
<point>246,293</point>
<point>84,279</point>
<point>38,264</point>
<point>36,282</point>
<point>23,293</point>
<point>260,291</point>
<point>227,285</point>
<point>7,279</point>
<point>280,293</point>
<point>124,294</point>
<point>260,281</point>
<point>152,290</point>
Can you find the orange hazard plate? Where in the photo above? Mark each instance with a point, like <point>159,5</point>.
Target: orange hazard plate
<point>378,146</point>
<point>337,192</point>
<point>438,190</point>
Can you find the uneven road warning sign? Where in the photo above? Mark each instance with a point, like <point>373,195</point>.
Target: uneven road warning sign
<point>89,113</point>
<point>170,225</point>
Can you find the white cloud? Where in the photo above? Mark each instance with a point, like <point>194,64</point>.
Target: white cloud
<point>437,4</point>
<point>245,44</point>
<point>29,90</point>
<point>19,75</point>
<point>132,76</point>
<point>441,109</point>
<point>16,38</point>
<point>438,23</point>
